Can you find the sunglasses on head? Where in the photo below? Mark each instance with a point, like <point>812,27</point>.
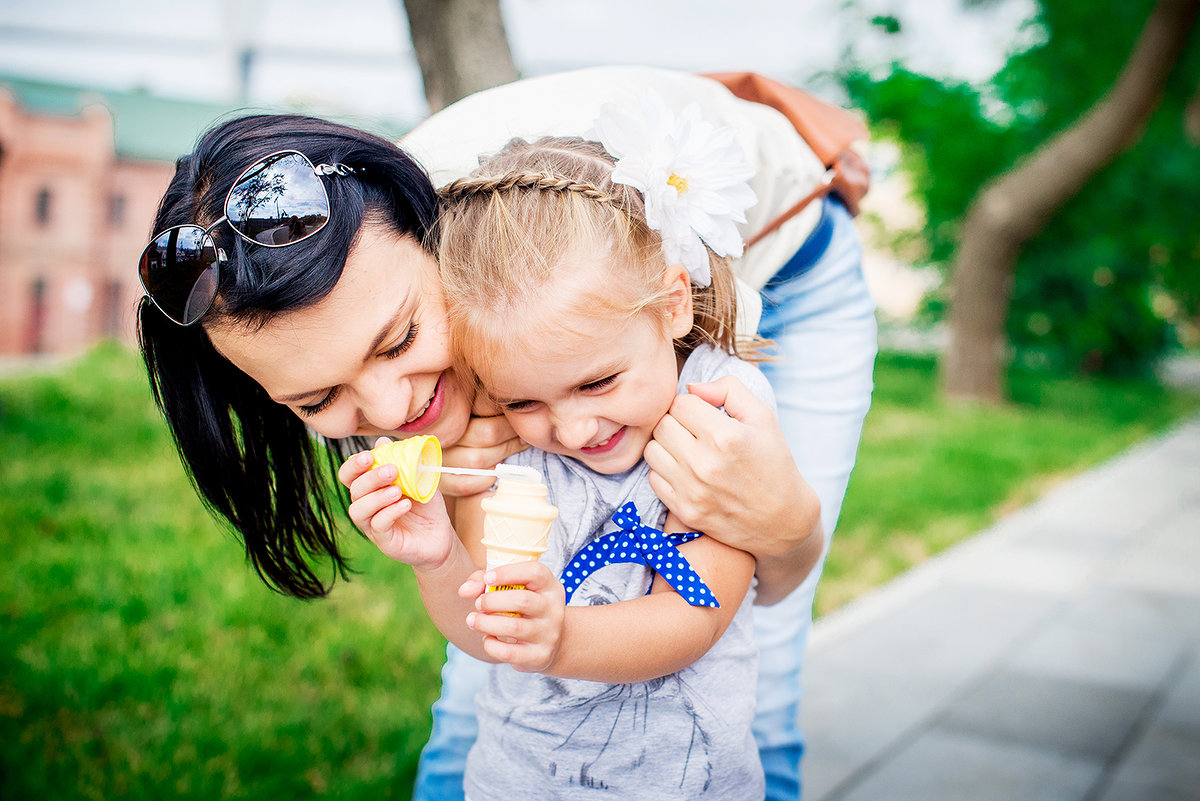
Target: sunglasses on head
<point>278,201</point>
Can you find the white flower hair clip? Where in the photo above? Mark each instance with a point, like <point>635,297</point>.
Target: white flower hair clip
<point>692,174</point>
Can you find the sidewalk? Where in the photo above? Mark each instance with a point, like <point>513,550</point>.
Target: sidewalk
<point>1053,657</point>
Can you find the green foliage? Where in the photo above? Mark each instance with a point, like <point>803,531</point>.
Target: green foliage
<point>1100,289</point>
<point>940,127</point>
<point>886,23</point>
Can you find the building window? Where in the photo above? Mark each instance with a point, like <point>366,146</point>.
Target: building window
<point>113,311</point>
<point>116,210</point>
<point>42,207</point>
<point>36,321</point>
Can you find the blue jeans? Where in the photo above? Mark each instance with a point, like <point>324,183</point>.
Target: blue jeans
<point>444,758</point>
<point>822,320</point>
<point>823,324</point>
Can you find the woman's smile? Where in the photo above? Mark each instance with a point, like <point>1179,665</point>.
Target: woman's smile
<point>430,412</point>
<point>371,358</point>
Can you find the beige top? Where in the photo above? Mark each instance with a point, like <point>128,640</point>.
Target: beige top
<point>450,142</point>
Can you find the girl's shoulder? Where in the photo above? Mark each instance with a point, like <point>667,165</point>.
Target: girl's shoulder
<point>707,363</point>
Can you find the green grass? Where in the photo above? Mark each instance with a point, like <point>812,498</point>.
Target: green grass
<point>143,659</point>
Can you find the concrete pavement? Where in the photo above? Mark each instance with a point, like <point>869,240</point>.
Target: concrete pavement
<point>1052,657</point>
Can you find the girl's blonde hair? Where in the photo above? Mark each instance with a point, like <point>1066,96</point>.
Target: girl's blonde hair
<point>507,227</point>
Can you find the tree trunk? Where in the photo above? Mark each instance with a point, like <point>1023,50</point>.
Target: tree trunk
<point>1191,118</point>
<point>1014,206</point>
<point>461,47</point>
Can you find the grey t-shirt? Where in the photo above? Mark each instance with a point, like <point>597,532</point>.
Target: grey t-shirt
<point>682,736</point>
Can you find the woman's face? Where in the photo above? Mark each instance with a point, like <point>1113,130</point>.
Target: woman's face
<point>371,359</point>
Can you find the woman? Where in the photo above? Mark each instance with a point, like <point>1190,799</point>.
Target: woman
<point>342,332</point>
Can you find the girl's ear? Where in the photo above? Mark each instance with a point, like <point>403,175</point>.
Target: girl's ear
<point>678,289</point>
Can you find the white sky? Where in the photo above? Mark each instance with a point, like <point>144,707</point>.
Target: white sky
<point>355,55</point>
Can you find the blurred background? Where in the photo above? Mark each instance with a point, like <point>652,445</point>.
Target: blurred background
<point>97,102</point>
<point>1035,162</point>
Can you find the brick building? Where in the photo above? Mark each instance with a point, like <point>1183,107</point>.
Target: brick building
<point>81,173</point>
<point>80,176</point>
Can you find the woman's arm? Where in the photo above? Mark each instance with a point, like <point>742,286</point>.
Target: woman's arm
<point>730,474</point>
<point>628,641</point>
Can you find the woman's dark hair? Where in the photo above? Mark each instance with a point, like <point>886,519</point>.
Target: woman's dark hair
<point>252,460</point>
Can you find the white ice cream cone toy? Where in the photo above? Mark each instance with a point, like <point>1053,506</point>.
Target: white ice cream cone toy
<point>517,520</point>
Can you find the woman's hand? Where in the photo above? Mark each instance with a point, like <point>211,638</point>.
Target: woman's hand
<point>521,627</point>
<point>486,442</point>
<point>731,476</point>
<point>418,534</point>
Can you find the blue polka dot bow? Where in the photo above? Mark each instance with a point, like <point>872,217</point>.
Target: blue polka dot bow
<point>637,543</point>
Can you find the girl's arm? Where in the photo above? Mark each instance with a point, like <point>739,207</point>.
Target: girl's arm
<point>628,641</point>
<point>731,473</point>
<point>420,535</point>
<point>439,585</point>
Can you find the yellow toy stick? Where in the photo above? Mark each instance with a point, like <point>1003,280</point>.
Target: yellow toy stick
<point>418,463</point>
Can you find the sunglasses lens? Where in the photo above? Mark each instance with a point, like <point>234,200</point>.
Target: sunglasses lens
<point>278,201</point>
<point>179,272</point>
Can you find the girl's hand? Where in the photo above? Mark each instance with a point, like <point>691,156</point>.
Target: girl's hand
<point>418,534</point>
<point>486,442</point>
<point>529,633</point>
<point>731,476</point>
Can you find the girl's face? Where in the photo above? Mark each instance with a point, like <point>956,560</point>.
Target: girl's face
<point>371,359</point>
<point>594,388</point>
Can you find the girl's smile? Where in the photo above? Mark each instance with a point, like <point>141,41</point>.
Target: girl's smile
<point>593,386</point>
<point>607,445</point>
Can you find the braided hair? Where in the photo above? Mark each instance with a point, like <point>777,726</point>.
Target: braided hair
<point>508,229</point>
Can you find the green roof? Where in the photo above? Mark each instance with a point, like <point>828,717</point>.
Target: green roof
<point>152,127</point>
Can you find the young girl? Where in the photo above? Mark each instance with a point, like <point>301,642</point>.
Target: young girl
<point>581,306</point>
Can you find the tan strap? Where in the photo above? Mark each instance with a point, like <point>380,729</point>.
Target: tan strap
<point>827,129</point>
<point>821,190</point>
